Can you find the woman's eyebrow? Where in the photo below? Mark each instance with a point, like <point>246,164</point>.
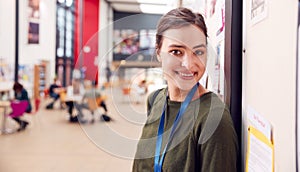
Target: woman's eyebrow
<point>199,46</point>
<point>183,46</point>
<point>177,46</point>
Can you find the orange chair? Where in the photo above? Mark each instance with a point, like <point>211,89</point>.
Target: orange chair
<point>126,92</point>
<point>46,92</point>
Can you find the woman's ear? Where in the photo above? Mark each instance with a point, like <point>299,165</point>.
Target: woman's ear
<point>158,56</point>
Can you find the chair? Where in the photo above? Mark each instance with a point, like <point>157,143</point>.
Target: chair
<point>62,97</point>
<point>126,93</point>
<point>37,104</point>
<point>100,99</point>
<point>18,108</point>
<point>46,92</point>
<point>92,106</point>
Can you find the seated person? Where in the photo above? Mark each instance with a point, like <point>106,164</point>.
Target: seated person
<point>140,90</point>
<point>94,94</point>
<point>71,102</point>
<point>21,94</point>
<point>143,89</point>
<point>54,92</point>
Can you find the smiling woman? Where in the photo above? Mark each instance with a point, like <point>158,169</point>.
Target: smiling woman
<point>178,134</point>
<point>183,58</point>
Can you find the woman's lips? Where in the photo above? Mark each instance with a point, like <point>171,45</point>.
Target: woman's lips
<point>186,75</point>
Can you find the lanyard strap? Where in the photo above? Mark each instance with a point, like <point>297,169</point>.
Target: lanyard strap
<point>158,160</point>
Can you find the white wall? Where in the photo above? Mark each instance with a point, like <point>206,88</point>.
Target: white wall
<point>45,50</point>
<point>269,76</point>
<point>7,32</point>
<point>28,53</point>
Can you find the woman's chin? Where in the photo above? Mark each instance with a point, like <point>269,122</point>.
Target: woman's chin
<point>187,85</point>
<point>183,84</point>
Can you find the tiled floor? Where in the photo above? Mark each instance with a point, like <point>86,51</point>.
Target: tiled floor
<point>51,143</point>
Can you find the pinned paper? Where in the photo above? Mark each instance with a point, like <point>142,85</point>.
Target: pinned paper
<point>260,152</point>
<point>256,120</point>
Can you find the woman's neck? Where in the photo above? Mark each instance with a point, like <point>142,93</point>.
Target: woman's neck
<point>176,94</point>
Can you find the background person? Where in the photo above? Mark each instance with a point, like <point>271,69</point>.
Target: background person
<point>108,74</point>
<point>140,90</point>
<point>188,128</point>
<point>21,94</point>
<point>77,89</point>
<point>95,95</point>
<point>54,93</point>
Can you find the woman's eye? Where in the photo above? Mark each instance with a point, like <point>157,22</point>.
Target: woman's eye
<point>198,52</point>
<point>176,52</point>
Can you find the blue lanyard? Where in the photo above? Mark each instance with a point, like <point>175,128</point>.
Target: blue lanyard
<point>158,160</point>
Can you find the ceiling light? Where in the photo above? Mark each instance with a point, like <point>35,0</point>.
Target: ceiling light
<point>69,3</point>
<point>154,9</point>
<point>153,1</point>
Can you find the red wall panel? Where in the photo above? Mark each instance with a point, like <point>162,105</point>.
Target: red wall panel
<point>90,25</point>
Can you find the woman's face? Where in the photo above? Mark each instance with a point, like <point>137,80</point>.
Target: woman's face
<point>183,56</point>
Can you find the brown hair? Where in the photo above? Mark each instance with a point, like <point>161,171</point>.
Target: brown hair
<point>178,18</point>
<point>17,86</point>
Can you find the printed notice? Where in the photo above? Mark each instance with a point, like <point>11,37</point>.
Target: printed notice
<point>259,153</point>
<point>256,120</point>
<point>259,10</point>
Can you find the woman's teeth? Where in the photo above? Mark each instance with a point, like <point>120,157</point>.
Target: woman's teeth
<point>187,74</point>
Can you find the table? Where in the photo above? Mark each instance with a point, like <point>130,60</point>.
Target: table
<point>5,105</point>
<point>5,89</point>
<point>4,92</point>
<point>73,98</point>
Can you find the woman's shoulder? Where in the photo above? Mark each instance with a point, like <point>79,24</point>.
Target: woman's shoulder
<point>24,91</point>
<point>211,100</point>
<point>212,107</point>
<point>156,94</point>
<point>158,91</point>
<point>213,117</point>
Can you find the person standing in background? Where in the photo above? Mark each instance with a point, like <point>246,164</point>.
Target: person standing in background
<point>108,74</point>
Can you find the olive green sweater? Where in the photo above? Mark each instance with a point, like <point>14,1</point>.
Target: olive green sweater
<point>204,140</point>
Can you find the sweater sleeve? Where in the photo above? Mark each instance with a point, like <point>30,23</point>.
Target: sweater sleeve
<point>219,151</point>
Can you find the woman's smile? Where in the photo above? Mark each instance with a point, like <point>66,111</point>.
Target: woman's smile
<point>186,75</point>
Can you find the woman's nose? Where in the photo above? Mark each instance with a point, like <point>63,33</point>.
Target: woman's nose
<point>187,61</point>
